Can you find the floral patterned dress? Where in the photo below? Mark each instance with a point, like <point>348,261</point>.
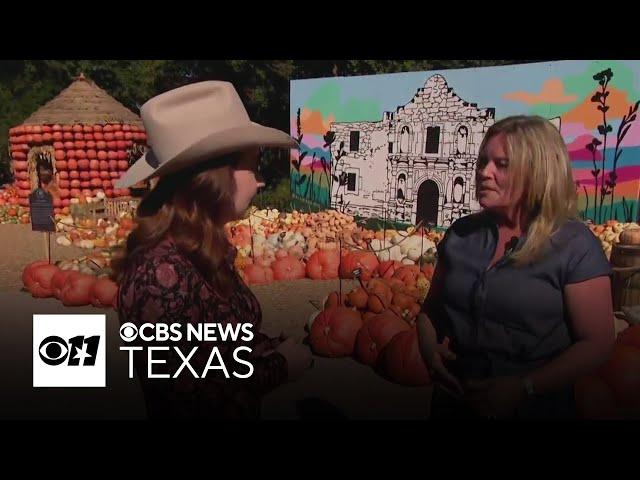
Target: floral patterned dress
<point>162,286</point>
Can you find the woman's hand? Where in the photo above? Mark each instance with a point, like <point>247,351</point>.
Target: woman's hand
<point>497,397</point>
<point>434,354</point>
<point>437,370</point>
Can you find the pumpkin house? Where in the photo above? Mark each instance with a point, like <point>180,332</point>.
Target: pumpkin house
<point>77,145</point>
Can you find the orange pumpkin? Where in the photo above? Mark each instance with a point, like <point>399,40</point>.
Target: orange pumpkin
<point>104,293</point>
<point>413,292</point>
<point>358,298</point>
<point>323,265</point>
<point>402,300</point>
<point>396,285</point>
<point>380,295</point>
<point>77,289</point>
<point>335,300</point>
<point>20,165</point>
<point>58,282</point>
<point>27,274</point>
<point>387,268</point>
<point>401,362</point>
<point>334,331</point>
<point>37,279</point>
<point>377,303</point>
<point>366,262</point>
<point>408,274</point>
<point>376,334</point>
<point>288,268</point>
<point>258,275</point>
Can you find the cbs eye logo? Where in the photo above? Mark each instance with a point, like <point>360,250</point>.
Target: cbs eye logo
<point>77,351</point>
<point>128,332</point>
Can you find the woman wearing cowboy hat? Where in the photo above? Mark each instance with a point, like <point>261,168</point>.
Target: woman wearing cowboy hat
<point>178,264</point>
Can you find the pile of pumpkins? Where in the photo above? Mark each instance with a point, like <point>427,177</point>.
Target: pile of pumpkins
<point>87,158</point>
<point>609,234</point>
<point>375,323</point>
<point>321,246</point>
<point>10,209</point>
<point>72,284</point>
<point>92,233</point>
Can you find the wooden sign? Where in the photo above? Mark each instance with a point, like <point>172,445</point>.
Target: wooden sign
<point>41,209</point>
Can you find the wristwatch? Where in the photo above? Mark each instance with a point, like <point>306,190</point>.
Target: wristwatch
<point>527,383</point>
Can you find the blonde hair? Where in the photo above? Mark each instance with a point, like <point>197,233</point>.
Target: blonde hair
<point>539,166</point>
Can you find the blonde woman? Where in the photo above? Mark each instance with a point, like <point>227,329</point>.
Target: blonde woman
<point>520,305</point>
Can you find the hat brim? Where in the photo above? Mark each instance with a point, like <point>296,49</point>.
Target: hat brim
<point>214,145</point>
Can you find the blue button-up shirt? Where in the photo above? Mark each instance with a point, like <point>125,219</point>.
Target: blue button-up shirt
<point>507,320</point>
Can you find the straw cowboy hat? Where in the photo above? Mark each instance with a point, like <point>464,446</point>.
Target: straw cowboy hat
<point>195,123</point>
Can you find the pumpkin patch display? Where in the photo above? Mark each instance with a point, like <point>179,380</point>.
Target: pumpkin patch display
<point>613,232</point>
<point>72,149</point>
<point>384,311</point>
<point>74,283</point>
<point>329,243</point>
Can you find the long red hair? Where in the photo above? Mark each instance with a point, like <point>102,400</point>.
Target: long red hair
<point>191,207</point>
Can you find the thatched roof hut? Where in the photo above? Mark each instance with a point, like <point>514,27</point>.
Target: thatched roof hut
<point>83,102</point>
<point>88,137</point>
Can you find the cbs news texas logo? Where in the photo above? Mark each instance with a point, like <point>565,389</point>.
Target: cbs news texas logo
<point>69,350</point>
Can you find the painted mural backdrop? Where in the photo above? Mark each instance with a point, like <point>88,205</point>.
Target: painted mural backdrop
<point>403,146</point>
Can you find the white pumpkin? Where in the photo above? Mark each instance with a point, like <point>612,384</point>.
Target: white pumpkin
<point>64,241</point>
<point>376,244</point>
<point>392,253</point>
<point>414,253</point>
